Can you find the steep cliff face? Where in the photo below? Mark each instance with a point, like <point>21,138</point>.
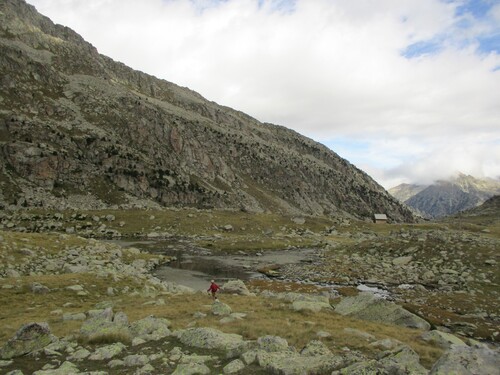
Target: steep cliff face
<point>78,129</point>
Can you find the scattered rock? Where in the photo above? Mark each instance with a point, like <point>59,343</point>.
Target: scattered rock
<point>38,288</point>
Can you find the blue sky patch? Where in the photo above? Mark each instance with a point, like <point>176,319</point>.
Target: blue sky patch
<point>422,48</point>
<point>469,15</point>
<point>476,8</point>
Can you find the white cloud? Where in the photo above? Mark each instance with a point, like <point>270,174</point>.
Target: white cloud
<point>328,69</point>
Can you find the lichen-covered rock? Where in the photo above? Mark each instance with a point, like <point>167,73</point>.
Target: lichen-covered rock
<point>220,308</point>
<point>210,338</point>
<point>289,363</point>
<point>233,367</point>
<point>272,344</point>
<point>135,360</point>
<point>29,338</point>
<point>15,372</point>
<point>315,348</point>
<point>464,360</point>
<point>107,352</point>
<point>368,306</point>
<point>402,360</point>
<point>371,367</point>
<point>150,328</point>
<point>443,339</point>
<point>79,355</point>
<point>67,368</point>
<point>192,369</point>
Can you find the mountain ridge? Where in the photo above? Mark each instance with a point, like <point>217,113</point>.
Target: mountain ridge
<point>447,197</point>
<point>79,130</point>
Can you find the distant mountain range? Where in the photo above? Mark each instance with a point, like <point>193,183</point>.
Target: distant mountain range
<point>81,131</point>
<point>446,197</point>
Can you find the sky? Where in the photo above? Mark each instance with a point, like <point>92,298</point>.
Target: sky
<point>406,90</point>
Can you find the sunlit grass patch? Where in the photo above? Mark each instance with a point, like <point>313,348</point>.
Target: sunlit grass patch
<point>283,286</point>
<point>248,244</point>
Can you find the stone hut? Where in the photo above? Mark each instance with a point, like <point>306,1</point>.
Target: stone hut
<point>380,218</point>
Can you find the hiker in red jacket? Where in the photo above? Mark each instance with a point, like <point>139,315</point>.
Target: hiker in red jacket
<point>213,288</point>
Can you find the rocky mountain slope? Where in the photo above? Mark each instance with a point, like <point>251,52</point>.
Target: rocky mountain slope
<point>79,130</point>
<point>446,197</point>
<point>489,208</point>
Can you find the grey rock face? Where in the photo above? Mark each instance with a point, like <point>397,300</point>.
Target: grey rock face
<point>370,307</point>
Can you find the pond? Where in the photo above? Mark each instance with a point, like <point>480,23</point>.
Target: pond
<point>195,267</point>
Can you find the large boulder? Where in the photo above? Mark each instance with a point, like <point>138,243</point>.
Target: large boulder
<point>236,287</point>
<point>29,338</point>
<point>368,306</point>
<point>210,338</point>
<point>465,360</point>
